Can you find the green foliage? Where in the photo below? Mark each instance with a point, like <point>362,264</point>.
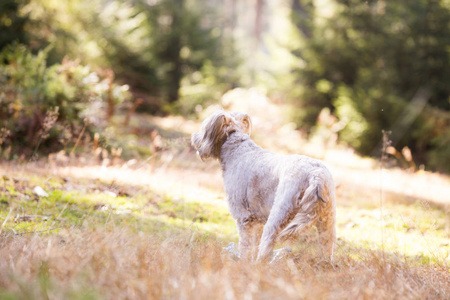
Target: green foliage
<point>367,61</point>
<point>204,87</point>
<point>12,22</point>
<point>48,106</point>
<point>159,48</point>
<point>193,62</point>
<point>364,61</point>
<point>123,38</point>
<point>434,130</point>
<point>347,112</point>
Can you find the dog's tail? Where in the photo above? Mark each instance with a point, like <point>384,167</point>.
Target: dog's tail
<point>316,194</point>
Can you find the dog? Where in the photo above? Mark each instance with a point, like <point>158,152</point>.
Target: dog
<point>271,197</point>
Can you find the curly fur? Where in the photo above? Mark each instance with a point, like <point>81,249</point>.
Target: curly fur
<point>270,196</point>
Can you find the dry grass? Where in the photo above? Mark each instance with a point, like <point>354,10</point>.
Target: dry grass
<point>156,230</point>
<point>148,254</point>
<point>121,264</point>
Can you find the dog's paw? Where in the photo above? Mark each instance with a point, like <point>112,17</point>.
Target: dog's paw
<point>231,252</point>
<point>280,254</point>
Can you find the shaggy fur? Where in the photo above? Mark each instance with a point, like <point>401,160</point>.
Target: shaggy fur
<point>270,196</point>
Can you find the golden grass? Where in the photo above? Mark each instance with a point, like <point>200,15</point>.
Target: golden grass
<point>150,244</point>
<point>156,230</point>
<point>122,264</point>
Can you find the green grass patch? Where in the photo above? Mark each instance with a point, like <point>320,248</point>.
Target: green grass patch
<point>22,212</point>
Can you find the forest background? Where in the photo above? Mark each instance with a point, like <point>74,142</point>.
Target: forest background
<point>368,66</point>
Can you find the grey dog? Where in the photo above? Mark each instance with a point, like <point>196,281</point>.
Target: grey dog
<point>272,197</point>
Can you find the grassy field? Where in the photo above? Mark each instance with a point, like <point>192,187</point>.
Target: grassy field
<point>155,228</point>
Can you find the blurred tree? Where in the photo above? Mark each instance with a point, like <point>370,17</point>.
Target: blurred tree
<point>45,108</point>
<point>188,43</point>
<point>157,47</point>
<point>367,61</point>
<point>173,20</point>
<point>12,22</point>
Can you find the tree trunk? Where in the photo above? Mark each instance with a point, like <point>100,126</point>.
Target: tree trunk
<point>302,17</point>
<point>258,23</point>
<point>175,74</point>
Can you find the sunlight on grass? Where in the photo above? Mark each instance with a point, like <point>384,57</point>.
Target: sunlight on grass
<point>160,232</point>
<point>405,229</point>
<point>77,208</point>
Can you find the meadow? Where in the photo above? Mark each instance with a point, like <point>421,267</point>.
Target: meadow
<point>104,227</point>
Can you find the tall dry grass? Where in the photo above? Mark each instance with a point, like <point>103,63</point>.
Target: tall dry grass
<point>122,264</point>
<point>119,262</point>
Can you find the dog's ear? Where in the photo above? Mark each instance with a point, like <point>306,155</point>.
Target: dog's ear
<point>196,140</point>
<point>247,121</point>
<point>210,139</point>
<point>241,122</point>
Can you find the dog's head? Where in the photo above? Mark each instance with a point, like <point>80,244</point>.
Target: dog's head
<point>215,130</point>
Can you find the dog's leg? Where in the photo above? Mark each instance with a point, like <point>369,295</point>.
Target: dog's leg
<point>245,230</point>
<point>327,230</point>
<point>256,237</point>
<point>250,231</point>
<point>244,241</point>
<point>282,212</point>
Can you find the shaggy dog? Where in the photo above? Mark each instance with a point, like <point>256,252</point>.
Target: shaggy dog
<point>272,197</point>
